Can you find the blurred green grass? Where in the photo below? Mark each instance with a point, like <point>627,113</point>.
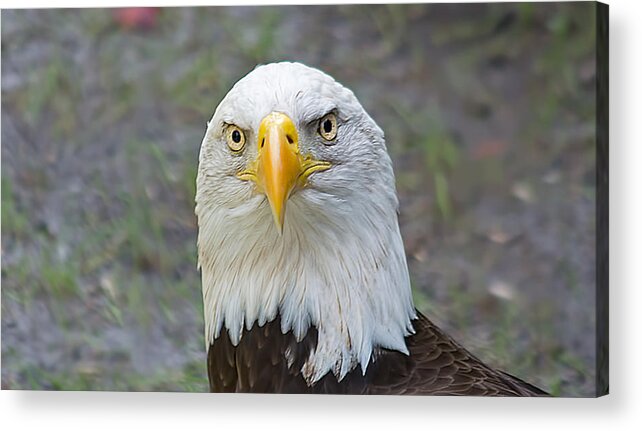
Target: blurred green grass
<point>488,112</point>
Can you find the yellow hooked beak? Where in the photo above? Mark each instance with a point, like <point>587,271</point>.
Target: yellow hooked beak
<point>279,168</point>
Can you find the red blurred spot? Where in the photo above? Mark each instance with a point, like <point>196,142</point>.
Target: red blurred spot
<point>489,149</point>
<point>136,18</point>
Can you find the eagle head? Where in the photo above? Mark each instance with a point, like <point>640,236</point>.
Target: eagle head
<point>297,215</point>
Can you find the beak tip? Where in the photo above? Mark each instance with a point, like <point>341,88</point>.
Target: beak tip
<point>278,215</point>
<point>278,221</point>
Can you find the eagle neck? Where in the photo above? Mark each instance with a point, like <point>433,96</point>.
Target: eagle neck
<point>348,280</point>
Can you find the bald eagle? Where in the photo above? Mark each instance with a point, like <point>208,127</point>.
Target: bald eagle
<point>304,275</point>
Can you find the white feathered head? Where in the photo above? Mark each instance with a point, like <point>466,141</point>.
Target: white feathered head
<point>297,215</point>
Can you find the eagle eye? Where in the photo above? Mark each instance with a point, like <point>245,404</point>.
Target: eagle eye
<point>235,138</point>
<point>328,127</point>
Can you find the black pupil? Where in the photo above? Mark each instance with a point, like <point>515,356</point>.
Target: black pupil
<point>327,126</point>
<point>236,136</point>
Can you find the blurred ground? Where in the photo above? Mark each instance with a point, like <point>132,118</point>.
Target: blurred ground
<point>489,117</point>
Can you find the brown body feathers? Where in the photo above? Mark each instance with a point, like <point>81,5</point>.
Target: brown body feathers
<point>267,361</point>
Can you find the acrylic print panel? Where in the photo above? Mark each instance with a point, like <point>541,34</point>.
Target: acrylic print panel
<point>319,271</point>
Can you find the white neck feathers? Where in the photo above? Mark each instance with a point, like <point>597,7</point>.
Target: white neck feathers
<point>342,270</point>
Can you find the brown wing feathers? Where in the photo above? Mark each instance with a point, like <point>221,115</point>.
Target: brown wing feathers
<point>437,365</point>
<point>440,366</point>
